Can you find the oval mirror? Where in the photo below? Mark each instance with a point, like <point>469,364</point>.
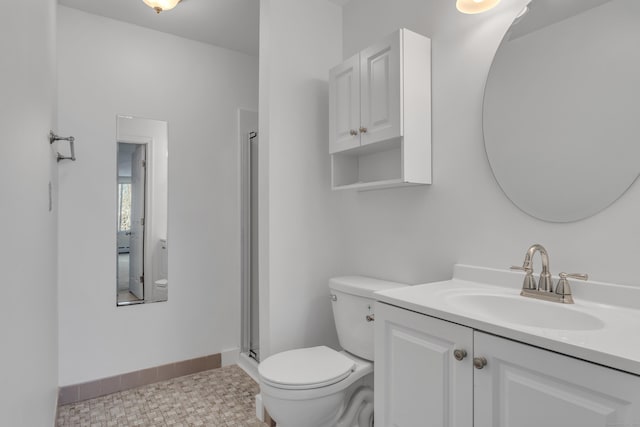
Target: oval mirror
<point>561,109</point>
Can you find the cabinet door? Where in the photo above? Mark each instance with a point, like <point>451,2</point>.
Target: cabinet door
<point>380,91</point>
<point>418,382</point>
<point>525,386</point>
<point>344,105</point>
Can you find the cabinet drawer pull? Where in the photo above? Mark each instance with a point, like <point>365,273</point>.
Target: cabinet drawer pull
<point>479,362</point>
<point>459,354</point>
<point>363,129</point>
<point>353,132</point>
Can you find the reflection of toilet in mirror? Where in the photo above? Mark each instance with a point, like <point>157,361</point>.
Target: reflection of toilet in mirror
<point>160,261</point>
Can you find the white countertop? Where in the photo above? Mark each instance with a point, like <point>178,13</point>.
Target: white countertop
<point>614,342</point>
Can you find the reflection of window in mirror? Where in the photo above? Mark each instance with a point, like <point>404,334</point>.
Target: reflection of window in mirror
<point>124,206</point>
<point>141,227</point>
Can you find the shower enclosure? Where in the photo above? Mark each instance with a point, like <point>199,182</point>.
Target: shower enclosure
<point>247,127</point>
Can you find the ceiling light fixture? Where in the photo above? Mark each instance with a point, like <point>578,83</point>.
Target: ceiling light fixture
<point>161,5</point>
<point>475,6</point>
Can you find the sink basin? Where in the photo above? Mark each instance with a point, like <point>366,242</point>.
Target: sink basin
<point>525,311</point>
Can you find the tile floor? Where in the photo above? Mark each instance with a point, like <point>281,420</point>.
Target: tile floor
<point>219,397</point>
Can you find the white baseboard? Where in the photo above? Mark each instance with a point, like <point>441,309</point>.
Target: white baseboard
<point>55,419</point>
<point>259,408</point>
<point>230,357</point>
<point>250,366</point>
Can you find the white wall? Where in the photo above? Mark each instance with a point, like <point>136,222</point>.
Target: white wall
<point>417,234</point>
<point>299,226</point>
<point>106,68</point>
<point>28,317</point>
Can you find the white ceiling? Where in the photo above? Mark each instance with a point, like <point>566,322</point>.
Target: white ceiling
<point>232,24</point>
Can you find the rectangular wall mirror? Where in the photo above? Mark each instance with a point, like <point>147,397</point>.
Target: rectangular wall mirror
<point>142,251</point>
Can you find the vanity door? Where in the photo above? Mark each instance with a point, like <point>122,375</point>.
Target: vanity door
<point>525,386</point>
<point>418,380</point>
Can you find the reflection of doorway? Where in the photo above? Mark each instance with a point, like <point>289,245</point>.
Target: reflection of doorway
<point>131,216</point>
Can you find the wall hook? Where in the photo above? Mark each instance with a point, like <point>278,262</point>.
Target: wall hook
<point>53,138</point>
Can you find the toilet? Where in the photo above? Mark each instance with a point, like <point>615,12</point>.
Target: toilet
<point>322,387</point>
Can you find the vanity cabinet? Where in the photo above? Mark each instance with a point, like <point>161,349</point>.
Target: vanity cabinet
<point>418,381</point>
<point>380,114</point>
<point>526,386</point>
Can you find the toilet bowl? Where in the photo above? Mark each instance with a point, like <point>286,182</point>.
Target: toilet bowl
<point>322,387</point>
<point>291,391</point>
<point>160,288</point>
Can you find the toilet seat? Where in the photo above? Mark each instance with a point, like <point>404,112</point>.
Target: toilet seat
<point>306,368</point>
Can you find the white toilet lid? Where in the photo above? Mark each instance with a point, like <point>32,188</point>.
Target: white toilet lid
<point>306,368</point>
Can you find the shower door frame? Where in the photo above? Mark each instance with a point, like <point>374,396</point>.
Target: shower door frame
<point>249,233</point>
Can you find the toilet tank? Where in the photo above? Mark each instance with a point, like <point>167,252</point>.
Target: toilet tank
<point>353,304</point>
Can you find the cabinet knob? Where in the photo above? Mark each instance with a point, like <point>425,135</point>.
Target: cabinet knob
<point>479,362</point>
<point>459,354</point>
<point>353,132</point>
<point>363,129</point>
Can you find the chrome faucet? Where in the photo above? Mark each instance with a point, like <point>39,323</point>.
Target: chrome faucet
<point>545,284</point>
<point>544,289</point>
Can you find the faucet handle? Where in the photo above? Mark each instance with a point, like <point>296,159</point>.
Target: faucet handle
<point>529,282</point>
<point>579,276</point>
<point>527,270</point>
<point>563,289</point>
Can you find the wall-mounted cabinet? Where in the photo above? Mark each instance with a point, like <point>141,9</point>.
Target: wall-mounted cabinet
<point>380,115</point>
